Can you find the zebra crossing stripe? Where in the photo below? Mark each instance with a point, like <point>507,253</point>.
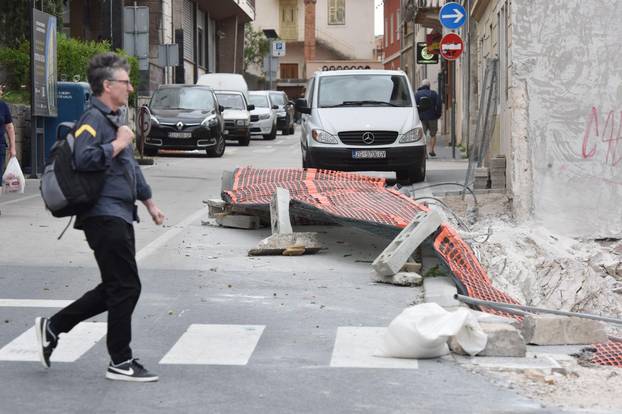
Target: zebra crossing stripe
<point>355,348</point>
<point>34,303</point>
<point>71,346</point>
<point>215,345</point>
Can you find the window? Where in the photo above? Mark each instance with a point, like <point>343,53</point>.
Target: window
<point>336,11</point>
<point>288,29</point>
<point>200,47</point>
<point>392,29</point>
<point>386,32</point>
<point>397,25</point>
<point>363,90</point>
<point>188,27</point>
<point>289,70</point>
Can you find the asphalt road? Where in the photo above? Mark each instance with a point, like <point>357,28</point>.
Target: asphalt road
<point>227,333</point>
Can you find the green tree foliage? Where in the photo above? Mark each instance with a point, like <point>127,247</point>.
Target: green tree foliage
<point>255,46</point>
<point>73,58</point>
<point>15,19</point>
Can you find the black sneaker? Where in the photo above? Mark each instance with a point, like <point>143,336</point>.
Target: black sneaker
<point>130,371</point>
<point>46,340</point>
<point>432,154</point>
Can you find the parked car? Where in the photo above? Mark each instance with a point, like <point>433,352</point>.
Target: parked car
<point>185,117</point>
<point>237,116</point>
<point>362,120</point>
<point>263,117</point>
<point>285,113</point>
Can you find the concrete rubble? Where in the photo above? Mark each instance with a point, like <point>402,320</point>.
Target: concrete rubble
<point>562,330</point>
<point>504,340</point>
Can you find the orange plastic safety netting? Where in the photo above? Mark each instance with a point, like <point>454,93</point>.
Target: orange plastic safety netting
<point>354,199</point>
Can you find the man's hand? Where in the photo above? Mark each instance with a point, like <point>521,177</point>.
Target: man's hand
<point>125,136</point>
<point>156,214</point>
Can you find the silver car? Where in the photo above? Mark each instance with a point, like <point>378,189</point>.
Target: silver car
<point>263,117</point>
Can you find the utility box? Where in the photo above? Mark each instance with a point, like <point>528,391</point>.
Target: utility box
<point>72,100</point>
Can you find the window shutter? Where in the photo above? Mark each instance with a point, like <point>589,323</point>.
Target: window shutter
<point>188,26</point>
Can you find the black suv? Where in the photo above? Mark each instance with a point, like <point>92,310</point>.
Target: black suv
<point>185,117</point>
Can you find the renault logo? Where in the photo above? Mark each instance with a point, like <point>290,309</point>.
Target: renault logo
<point>368,138</point>
<point>180,125</point>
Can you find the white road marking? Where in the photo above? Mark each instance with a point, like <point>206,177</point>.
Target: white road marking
<point>17,200</point>
<point>33,303</point>
<point>215,345</point>
<point>263,151</point>
<point>355,348</point>
<point>169,234</point>
<point>71,346</point>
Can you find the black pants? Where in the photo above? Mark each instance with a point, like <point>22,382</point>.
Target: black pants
<point>112,241</point>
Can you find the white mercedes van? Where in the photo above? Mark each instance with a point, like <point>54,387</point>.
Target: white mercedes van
<point>362,120</point>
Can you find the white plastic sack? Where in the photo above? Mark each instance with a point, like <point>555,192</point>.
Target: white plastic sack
<point>422,331</point>
<point>13,180</point>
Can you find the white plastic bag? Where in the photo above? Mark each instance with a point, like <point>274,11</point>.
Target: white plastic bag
<point>422,331</point>
<point>13,180</point>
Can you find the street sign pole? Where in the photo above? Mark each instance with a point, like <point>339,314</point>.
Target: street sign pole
<point>270,67</point>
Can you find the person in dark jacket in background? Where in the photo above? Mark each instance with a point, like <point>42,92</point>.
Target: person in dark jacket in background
<point>430,110</point>
<point>102,144</point>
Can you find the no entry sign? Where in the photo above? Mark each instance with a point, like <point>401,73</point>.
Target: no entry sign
<point>452,46</point>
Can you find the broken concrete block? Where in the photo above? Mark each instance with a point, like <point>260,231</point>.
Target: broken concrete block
<point>279,212</point>
<point>440,290</point>
<point>237,221</point>
<point>278,243</point>
<point>216,206</point>
<point>411,267</point>
<point>402,247</point>
<point>484,317</point>
<point>504,340</point>
<point>562,330</point>
<point>400,279</point>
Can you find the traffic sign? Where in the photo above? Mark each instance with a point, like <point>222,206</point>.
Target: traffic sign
<point>278,48</point>
<point>424,57</point>
<point>452,15</point>
<point>452,46</point>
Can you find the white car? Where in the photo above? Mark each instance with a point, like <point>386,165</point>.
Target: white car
<point>236,115</point>
<point>263,117</point>
<point>362,120</point>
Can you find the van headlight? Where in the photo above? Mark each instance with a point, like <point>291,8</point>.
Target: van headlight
<point>264,116</point>
<point>154,120</point>
<point>323,137</point>
<point>413,135</point>
<point>242,122</point>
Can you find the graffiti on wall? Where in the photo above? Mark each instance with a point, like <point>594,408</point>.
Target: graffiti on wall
<point>601,139</point>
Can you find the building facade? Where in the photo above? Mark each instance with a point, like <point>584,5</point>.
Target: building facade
<point>392,34</point>
<point>210,34</point>
<point>319,35</point>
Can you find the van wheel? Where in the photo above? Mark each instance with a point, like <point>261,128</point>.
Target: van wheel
<point>414,174</point>
<point>245,141</point>
<point>217,150</point>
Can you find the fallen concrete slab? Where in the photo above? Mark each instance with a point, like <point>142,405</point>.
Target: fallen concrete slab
<point>562,330</point>
<point>400,279</point>
<point>276,244</point>
<point>279,212</point>
<point>238,221</point>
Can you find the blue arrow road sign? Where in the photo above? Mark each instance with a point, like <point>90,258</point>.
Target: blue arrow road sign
<point>452,15</point>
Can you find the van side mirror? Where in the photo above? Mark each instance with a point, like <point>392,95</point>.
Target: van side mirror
<point>275,107</point>
<point>290,103</point>
<point>301,106</point>
<point>221,108</point>
<point>250,107</point>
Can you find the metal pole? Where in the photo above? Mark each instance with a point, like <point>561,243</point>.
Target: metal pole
<point>531,309</point>
<point>270,65</point>
<point>33,118</point>
<point>453,108</point>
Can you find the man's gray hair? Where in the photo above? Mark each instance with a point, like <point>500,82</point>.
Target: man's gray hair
<point>425,82</point>
<point>103,67</point>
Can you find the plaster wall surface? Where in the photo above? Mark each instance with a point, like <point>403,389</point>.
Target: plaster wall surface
<point>568,115</point>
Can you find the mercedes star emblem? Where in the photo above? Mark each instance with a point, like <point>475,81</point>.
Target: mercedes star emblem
<point>368,138</point>
<point>180,125</point>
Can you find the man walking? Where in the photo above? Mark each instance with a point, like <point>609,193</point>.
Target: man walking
<point>100,144</point>
<point>430,110</point>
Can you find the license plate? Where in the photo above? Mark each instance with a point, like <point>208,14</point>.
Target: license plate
<point>180,134</point>
<point>368,154</point>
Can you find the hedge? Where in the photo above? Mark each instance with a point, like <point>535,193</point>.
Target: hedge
<point>73,58</point>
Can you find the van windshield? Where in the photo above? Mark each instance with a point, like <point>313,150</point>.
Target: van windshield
<point>231,101</point>
<point>183,98</point>
<point>363,90</point>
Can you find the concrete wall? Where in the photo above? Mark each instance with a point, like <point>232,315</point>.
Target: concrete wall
<point>567,120</point>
